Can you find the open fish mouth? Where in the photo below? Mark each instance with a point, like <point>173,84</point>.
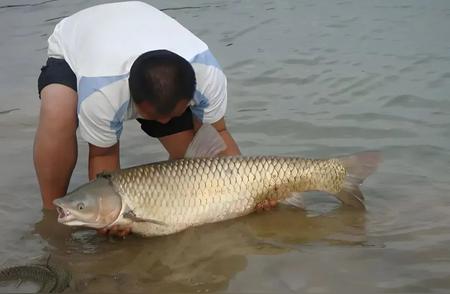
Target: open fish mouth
<point>64,215</point>
<point>70,217</point>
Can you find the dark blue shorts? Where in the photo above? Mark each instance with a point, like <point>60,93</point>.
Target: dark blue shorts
<point>58,71</point>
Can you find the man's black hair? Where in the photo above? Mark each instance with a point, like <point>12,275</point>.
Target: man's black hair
<point>163,78</point>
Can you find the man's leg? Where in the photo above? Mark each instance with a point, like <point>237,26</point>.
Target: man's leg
<point>55,144</point>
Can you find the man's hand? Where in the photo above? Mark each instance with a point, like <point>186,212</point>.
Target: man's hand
<point>119,231</point>
<point>266,205</point>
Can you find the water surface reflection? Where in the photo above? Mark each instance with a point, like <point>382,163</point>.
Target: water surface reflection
<point>202,259</point>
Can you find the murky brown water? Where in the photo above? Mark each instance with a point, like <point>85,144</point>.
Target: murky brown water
<point>310,78</point>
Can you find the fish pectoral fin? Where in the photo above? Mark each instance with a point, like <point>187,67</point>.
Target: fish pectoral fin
<point>132,216</point>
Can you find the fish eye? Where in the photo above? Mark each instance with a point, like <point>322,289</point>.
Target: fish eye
<point>80,206</point>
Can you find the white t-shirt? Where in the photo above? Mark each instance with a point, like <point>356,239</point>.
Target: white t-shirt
<point>101,43</point>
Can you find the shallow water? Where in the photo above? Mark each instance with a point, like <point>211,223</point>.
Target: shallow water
<point>310,78</point>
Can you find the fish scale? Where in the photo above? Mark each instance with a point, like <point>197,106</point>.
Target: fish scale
<point>194,191</point>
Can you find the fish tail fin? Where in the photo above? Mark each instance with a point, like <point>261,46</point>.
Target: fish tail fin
<point>358,167</point>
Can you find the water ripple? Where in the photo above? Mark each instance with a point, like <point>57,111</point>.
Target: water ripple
<point>412,101</point>
<point>307,130</point>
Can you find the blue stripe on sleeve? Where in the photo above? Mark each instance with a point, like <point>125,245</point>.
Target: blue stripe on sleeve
<point>201,103</point>
<point>117,122</point>
<point>89,85</point>
<point>206,58</point>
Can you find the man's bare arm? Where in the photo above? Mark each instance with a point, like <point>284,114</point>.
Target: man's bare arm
<point>232,147</point>
<point>103,159</point>
<point>106,159</point>
<point>220,126</point>
<point>177,144</point>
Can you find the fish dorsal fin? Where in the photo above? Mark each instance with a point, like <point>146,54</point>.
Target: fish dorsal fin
<point>207,142</point>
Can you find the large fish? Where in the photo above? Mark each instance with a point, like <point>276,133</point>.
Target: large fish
<point>166,197</point>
